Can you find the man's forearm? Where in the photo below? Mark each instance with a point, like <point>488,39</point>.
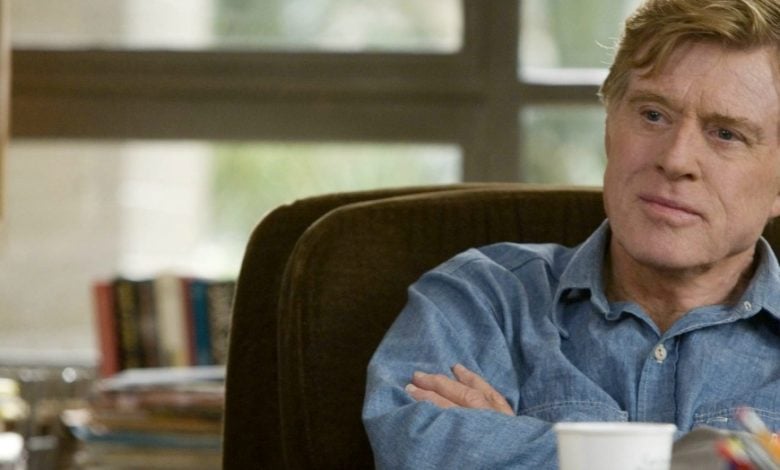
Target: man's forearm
<point>423,435</point>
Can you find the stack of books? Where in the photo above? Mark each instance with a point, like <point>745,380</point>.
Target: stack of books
<point>154,418</point>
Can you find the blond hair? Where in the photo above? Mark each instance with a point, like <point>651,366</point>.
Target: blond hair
<point>658,27</point>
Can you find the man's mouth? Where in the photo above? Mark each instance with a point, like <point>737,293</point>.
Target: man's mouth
<point>670,207</point>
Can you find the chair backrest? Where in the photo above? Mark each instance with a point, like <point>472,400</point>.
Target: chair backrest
<point>300,341</point>
<point>251,428</point>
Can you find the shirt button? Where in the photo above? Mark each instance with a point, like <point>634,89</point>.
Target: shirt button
<point>747,306</point>
<point>660,353</point>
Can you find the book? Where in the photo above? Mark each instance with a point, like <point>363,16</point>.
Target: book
<point>189,320</point>
<point>147,322</point>
<point>199,309</point>
<point>120,457</point>
<point>126,305</point>
<point>163,377</point>
<point>171,324</point>
<point>107,329</point>
<point>220,307</point>
<point>90,433</point>
<point>155,421</point>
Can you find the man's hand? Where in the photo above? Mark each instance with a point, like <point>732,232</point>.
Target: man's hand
<point>468,391</point>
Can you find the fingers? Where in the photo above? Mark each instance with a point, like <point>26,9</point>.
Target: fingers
<point>468,391</point>
<point>491,395</point>
<point>449,389</point>
<point>470,379</point>
<point>420,394</point>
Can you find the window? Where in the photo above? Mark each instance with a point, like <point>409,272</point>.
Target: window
<point>570,35</point>
<point>563,143</point>
<point>283,25</point>
<point>82,210</point>
<point>229,99</point>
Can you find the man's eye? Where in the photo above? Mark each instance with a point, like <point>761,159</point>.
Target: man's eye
<point>652,116</point>
<point>726,134</point>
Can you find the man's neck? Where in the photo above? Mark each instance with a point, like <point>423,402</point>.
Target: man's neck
<point>668,294</point>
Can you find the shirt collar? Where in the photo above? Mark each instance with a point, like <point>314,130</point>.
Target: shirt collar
<point>763,292</point>
<point>582,278</point>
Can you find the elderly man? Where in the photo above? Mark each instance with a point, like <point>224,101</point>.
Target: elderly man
<point>669,312</point>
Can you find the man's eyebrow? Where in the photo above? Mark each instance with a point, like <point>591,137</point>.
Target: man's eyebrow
<point>642,96</point>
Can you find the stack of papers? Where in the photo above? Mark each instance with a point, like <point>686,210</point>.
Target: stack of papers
<point>167,418</point>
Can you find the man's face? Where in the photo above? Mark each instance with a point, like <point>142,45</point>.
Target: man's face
<point>693,158</point>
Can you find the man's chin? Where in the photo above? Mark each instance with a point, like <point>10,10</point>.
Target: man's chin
<point>667,255</point>
<point>671,264</point>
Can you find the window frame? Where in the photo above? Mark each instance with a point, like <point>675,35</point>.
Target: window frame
<point>472,98</point>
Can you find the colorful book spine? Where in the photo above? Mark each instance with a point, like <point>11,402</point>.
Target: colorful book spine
<point>167,321</point>
<point>189,321</point>
<point>129,329</point>
<point>199,309</point>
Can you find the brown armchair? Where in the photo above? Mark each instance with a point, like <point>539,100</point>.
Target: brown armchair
<point>322,280</point>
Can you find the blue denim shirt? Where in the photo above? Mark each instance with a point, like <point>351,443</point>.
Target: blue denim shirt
<point>534,321</point>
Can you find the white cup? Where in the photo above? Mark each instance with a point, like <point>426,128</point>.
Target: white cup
<point>614,446</point>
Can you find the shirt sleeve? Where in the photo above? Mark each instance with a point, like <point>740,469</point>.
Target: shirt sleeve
<point>458,313</point>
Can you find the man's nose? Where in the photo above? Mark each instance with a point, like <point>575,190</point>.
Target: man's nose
<point>681,157</point>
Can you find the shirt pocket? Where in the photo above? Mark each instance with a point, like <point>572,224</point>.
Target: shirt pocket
<point>725,417</point>
<point>554,412</point>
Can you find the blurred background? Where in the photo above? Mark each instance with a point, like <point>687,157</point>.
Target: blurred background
<point>150,136</point>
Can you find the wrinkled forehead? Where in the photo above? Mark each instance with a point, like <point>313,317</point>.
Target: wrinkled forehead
<point>754,71</point>
<point>663,64</point>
